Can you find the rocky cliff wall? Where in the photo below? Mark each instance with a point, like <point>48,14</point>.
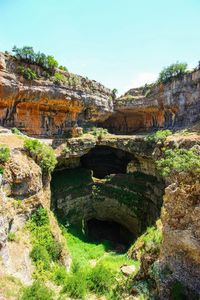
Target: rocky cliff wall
<point>173,105</point>
<point>42,108</point>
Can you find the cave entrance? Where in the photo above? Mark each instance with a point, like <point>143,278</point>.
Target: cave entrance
<point>105,160</point>
<point>111,231</point>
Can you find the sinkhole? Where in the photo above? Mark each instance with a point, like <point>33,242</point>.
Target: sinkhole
<point>100,198</point>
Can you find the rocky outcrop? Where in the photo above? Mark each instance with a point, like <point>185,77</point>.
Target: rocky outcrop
<point>180,251</point>
<point>43,108</point>
<point>173,105</point>
<point>23,188</point>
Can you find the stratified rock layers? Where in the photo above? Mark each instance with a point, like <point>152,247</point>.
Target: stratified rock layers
<point>173,105</point>
<point>42,108</point>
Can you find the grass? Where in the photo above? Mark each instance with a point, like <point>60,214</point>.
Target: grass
<point>95,267</point>
<point>10,287</point>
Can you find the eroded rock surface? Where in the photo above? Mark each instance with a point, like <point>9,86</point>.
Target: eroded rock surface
<point>42,108</point>
<point>172,105</point>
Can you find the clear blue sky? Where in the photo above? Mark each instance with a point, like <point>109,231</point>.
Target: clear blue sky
<point>121,43</point>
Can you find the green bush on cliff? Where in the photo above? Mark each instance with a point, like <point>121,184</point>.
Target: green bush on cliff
<point>159,135</point>
<point>37,291</point>
<point>4,153</point>
<point>27,73</point>
<point>172,71</point>
<point>59,78</point>
<point>41,153</point>
<point>45,249</point>
<point>28,55</point>
<point>179,160</point>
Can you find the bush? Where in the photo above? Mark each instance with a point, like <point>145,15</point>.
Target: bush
<point>16,131</point>
<point>39,253</point>
<point>4,153</point>
<point>42,154</point>
<point>75,285</point>
<point>59,78</point>
<point>172,71</point>
<point>179,160</point>
<point>37,291</point>
<point>40,217</point>
<point>45,248</point>
<point>27,73</point>
<point>59,274</point>
<point>63,68</point>
<point>11,236</point>
<point>28,55</point>
<point>160,135</point>
<point>100,279</point>
<point>99,132</point>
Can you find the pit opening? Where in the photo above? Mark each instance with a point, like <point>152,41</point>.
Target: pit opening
<point>111,231</point>
<point>104,160</point>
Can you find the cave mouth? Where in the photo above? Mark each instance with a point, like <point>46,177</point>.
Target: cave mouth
<point>108,230</point>
<point>105,160</point>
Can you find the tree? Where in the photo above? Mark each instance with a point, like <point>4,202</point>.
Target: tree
<point>172,71</point>
<point>114,93</point>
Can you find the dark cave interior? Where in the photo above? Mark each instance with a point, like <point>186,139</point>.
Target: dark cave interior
<point>109,230</point>
<point>104,160</point>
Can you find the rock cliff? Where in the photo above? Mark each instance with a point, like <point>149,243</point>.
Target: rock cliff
<point>43,108</point>
<point>172,105</point>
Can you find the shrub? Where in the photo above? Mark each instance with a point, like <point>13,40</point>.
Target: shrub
<point>27,73</point>
<point>4,153</point>
<point>99,132</point>
<point>172,71</point>
<point>63,68</point>
<point>27,54</point>
<point>75,285</point>
<point>40,217</point>
<point>39,253</point>
<point>45,248</point>
<point>59,78</point>
<point>100,279</point>
<point>160,135</point>
<point>59,274</point>
<point>37,291</point>
<point>16,131</point>
<point>42,154</point>
<point>11,236</point>
<point>179,160</point>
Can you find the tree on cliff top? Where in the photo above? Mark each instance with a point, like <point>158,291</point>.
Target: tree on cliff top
<point>172,71</point>
<point>27,54</point>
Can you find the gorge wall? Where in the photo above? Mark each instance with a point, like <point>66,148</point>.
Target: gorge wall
<point>43,108</point>
<point>173,105</point>
<point>57,109</point>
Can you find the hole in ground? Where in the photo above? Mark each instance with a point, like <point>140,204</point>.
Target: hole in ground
<point>111,231</point>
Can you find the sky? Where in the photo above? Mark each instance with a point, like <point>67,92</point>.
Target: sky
<point>120,43</point>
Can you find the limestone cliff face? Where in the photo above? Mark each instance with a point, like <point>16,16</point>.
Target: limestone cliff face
<point>180,250</point>
<point>42,108</point>
<point>172,105</point>
<point>23,188</point>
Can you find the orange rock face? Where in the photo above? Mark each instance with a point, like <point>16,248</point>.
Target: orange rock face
<point>173,105</point>
<point>42,108</point>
